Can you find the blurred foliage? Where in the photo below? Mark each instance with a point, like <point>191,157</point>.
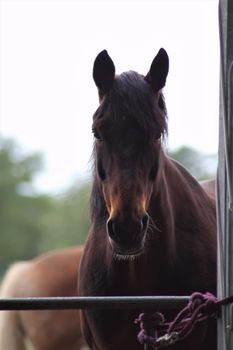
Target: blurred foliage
<point>201,166</point>
<point>31,223</point>
<point>68,223</point>
<point>20,215</point>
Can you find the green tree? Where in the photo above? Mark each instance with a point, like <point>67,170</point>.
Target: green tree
<point>20,214</point>
<point>68,223</point>
<point>199,165</point>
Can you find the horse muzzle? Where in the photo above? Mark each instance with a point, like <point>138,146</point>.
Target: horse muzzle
<point>127,237</point>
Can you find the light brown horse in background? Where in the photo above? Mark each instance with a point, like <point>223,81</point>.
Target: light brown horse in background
<point>49,275</point>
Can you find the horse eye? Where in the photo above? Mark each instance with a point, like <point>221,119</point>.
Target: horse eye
<point>101,170</point>
<point>96,134</point>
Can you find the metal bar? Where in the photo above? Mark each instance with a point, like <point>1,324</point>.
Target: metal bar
<point>66,303</point>
<point>225,174</point>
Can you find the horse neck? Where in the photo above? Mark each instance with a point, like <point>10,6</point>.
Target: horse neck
<point>182,191</point>
<point>180,203</point>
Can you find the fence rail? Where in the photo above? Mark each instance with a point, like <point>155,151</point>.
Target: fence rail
<point>66,303</point>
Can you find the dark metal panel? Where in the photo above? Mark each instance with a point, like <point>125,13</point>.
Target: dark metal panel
<point>225,173</point>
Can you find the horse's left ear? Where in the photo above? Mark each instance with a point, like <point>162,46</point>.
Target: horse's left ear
<point>157,74</point>
<point>103,72</point>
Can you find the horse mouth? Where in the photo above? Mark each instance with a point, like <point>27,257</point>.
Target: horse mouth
<point>124,253</point>
<point>131,256</point>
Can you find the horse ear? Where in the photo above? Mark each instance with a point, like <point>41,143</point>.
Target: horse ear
<point>103,72</point>
<point>157,74</point>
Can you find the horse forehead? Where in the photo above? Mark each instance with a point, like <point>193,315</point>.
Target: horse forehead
<point>127,139</point>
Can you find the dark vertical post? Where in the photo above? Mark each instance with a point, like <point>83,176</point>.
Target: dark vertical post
<point>225,174</point>
<point>152,333</point>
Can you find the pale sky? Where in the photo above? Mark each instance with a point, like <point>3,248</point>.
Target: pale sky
<point>48,97</point>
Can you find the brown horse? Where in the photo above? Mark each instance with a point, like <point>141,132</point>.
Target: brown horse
<point>52,274</point>
<point>153,226</point>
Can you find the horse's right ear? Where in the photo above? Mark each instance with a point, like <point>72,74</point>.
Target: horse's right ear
<point>103,72</point>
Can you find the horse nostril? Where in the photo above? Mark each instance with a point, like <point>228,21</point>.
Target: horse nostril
<point>111,228</point>
<point>145,221</point>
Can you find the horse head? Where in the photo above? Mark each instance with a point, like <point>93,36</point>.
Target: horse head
<point>128,127</point>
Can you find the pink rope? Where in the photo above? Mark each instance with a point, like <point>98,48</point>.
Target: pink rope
<point>200,307</point>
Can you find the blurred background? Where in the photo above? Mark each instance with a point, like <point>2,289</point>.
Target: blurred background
<point>47,99</point>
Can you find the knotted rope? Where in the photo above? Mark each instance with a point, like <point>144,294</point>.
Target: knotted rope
<point>200,307</point>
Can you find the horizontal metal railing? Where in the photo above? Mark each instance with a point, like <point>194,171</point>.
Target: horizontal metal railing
<point>102,302</point>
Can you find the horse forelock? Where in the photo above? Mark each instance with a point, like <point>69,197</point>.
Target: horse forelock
<point>132,99</point>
